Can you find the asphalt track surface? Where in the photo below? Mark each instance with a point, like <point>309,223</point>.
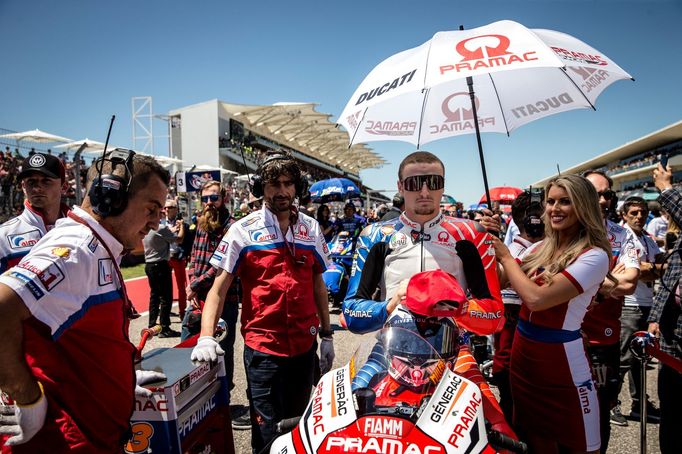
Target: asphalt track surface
<point>624,440</point>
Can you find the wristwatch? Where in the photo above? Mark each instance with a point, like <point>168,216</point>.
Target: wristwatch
<point>326,333</point>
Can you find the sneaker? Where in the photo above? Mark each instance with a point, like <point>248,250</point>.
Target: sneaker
<point>653,413</point>
<point>241,418</point>
<point>617,417</point>
<point>167,332</point>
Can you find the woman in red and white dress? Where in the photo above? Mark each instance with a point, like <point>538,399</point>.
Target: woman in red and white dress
<point>555,402</point>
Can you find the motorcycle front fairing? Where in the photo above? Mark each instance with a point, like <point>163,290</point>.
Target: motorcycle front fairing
<point>449,420</point>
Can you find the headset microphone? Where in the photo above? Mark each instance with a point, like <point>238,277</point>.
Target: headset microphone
<point>109,193</point>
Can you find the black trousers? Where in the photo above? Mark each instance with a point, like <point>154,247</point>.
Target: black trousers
<point>161,296</point>
<point>670,396</point>
<point>278,388</point>
<point>605,363</point>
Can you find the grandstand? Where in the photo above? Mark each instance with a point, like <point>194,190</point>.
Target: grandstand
<point>630,165</point>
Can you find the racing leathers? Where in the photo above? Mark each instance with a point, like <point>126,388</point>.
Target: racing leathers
<point>391,251</point>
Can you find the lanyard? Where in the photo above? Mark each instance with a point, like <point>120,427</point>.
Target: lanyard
<point>126,300</point>
<point>290,246</point>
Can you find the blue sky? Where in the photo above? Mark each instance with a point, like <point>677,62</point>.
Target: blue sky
<point>68,65</point>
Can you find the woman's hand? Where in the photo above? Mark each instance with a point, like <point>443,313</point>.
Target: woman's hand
<point>501,251</point>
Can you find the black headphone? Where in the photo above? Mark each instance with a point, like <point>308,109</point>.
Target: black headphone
<point>532,223</point>
<point>109,193</point>
<point>257,184</point>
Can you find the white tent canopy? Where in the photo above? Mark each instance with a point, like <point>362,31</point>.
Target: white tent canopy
<point>35,135</point>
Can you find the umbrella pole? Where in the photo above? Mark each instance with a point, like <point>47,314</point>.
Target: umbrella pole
<point>470,83</point>
<point>77,162</point>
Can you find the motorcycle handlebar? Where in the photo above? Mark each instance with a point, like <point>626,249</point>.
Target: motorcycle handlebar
<point>502,441</point>
<point>287,425</point>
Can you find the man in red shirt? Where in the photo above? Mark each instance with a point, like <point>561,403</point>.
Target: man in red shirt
<point>66,358</point>
<point>601,324</point>
<point>279,254</point>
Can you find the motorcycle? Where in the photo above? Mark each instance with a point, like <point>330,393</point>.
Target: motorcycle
<point>341,249</point>
<point>414,403</point>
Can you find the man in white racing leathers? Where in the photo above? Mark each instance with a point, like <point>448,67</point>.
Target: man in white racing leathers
<point>389,253</point>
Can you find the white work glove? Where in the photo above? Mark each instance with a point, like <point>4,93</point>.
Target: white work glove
<point>326,354</point>
<point>23,421</point>
<point>207,349</point>
<point>142,377</point>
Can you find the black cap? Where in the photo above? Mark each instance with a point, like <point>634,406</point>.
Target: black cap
<point>46,164</point>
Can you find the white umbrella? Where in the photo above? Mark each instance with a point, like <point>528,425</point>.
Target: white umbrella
<point>519,75</point>
<point>35,135</point>
<point>85,143</point>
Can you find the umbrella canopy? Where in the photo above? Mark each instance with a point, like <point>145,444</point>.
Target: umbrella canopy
<point>35,135</point>
<point>332,190</point>
<point>493,78</point>
<point>477,206</point>
<point>520,75</point>
<point>503,194</point>
<point>86,143</point>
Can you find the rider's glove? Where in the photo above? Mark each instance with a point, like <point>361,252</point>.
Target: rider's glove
<point>326,354</point>
<point>23,421</point>
<point>207,349</point>
<point>143,377</point>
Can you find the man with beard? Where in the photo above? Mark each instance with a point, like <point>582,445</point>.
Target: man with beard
<point>601,324</point>
<point>279,253</point>
<point>43,181</point>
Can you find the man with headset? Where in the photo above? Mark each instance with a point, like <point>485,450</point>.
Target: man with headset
<point>66,358</point>
<point>279,253</point>
<point>43,180</point>
<point>527,210</point>
<point>601,324</point>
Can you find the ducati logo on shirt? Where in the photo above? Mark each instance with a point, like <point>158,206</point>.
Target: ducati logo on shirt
<point>418,236</point>
<point>22,240</point>
<point>105,272</point>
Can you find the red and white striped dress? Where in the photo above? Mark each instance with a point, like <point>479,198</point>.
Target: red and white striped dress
<point>551,382</point>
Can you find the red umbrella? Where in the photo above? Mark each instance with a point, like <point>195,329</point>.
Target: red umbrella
<point>502,194</point>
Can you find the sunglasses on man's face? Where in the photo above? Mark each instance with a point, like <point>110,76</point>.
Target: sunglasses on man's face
<point>608,194</point>
<point>211,197</point>
<point>417,182</point>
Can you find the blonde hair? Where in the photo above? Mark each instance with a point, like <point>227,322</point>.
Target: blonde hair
<point>592,231</point>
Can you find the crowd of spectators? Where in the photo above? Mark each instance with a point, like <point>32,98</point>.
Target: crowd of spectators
<point>12,197</point>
